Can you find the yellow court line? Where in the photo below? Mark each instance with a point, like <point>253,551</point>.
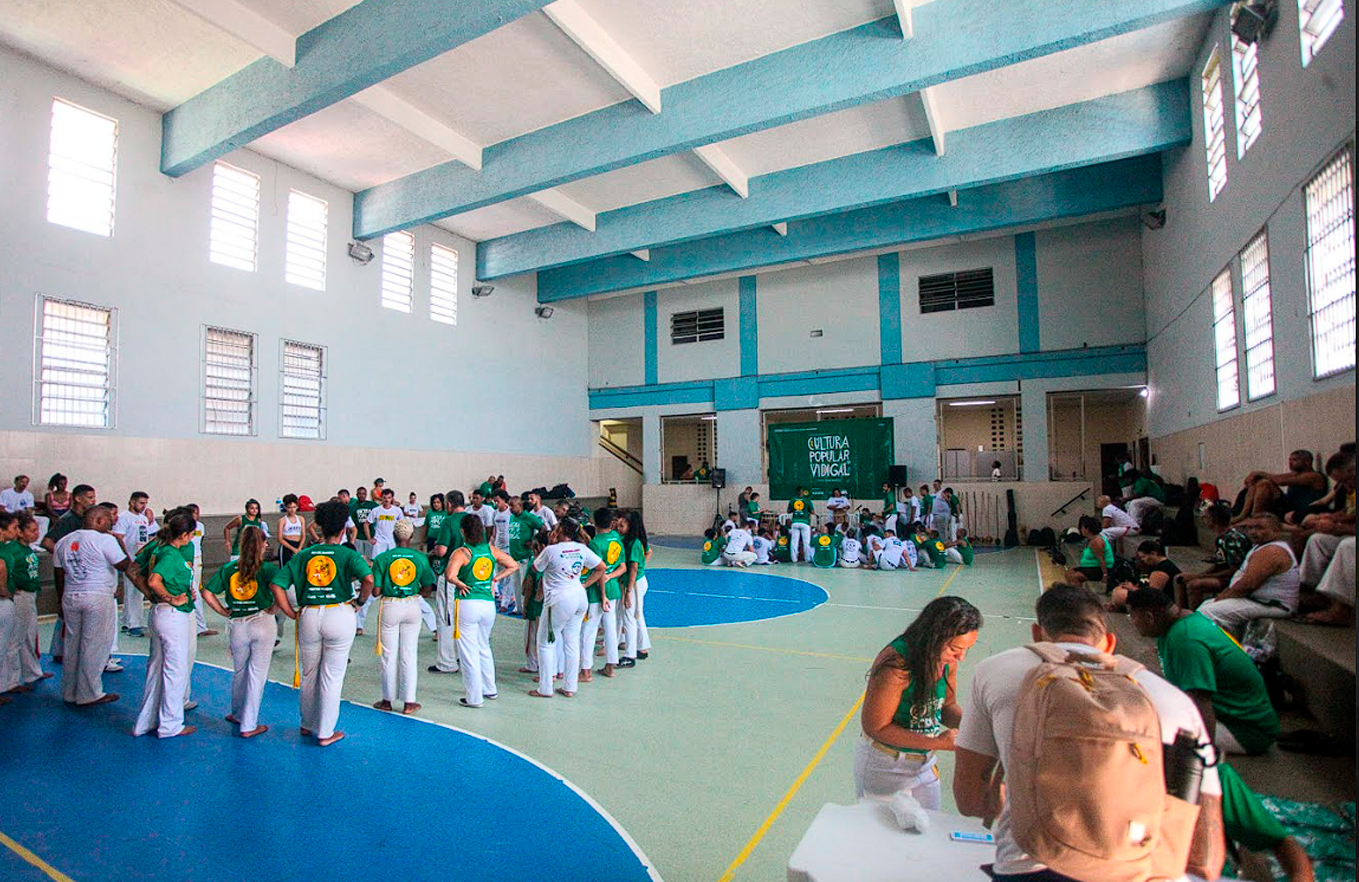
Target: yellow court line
<point>33,859</point>
<point>762,648</point>
<point>788,797</point>
<point>947,581</point>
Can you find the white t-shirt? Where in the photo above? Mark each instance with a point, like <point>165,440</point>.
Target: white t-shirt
<point>1118,517</point>
<point>849,550</point>
<point>135,530</point>
<point>836,503</point>
<point>912,509</point>
<point>989,716</point>
<point>384,521</point>
<point>561,566</point>
<point>196,540</point>
<point>738,541</point>
<point>501,520</point>
<point>412,509</point>
<point>892,550</point>
<point>547,516</point>
<point>487,515</point>
<point>13,501</point>
<point>762,548</point>
<point>88,558</point>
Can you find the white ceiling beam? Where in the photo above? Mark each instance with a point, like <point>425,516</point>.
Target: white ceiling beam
<point>577,24</point>
<point>715,158</point>
<point>642,254</point>
<point>904,18</point>
<point>953,198</point>
<point>246,25</point>
<point>781,229</point>
<point>936,125</point>
<point>384,102</point>
<point>565,207</point>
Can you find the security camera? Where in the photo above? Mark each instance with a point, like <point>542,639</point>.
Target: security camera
<point>543,312</point>
<point>482,290</point>
<point>362,254</point>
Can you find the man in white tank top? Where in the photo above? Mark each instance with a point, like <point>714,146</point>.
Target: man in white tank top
<point>1266,585</point>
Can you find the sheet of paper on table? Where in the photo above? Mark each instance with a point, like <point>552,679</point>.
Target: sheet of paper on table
<point>862,843</point>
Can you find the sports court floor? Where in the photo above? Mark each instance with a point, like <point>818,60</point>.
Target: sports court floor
<point>706,762</point>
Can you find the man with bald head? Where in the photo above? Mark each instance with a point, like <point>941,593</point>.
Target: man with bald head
<point>85,566</point>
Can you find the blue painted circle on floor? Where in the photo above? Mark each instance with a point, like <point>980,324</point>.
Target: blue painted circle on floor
<point>719,596</point>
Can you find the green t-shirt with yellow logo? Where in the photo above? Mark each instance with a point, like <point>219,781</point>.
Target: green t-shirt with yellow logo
<point>323,574</point>
<point>782,553</point>
<point>243,597</point>
<point>801,510</point>
<point>477,574</point>
<point>177,575</point>
<point>402,572</point>
<point>712,549</point>
<point>609,546</point>
<point>823,551</point>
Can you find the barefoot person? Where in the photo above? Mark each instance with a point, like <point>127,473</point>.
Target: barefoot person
<point>169,665</point>
<point>564,604</point>
<point>636,641</point>
<point>470,573</point>
<point>323,576</point>
<point>84,563</point>
<point>401,574</point>
<point>604,597</point>
<point>248,604</point>
<point>21,668</point>
<point>911,708</point>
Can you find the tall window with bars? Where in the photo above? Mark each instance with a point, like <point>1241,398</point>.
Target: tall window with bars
<point>228,382</point>
<point>75,350</point>
<point>1246,77</point>
<point>1257,311</point>
<point>233,238</point>
<point>302,391</point>
<point>1317,20</point>
<point>1224,342</point>
<point>1329,199</point>
<point>1214,125</point>
<point>82,162</point>
<point>304,260</point>
<point>398,271</point>
<point>443,284</point>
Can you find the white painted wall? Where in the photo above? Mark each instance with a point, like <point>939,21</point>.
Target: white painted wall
<point>397,382</point>
<point>1090,284</point>
<point>839,299</point>
<point>697,361</point>
<point>617,341</point>
<point>965,333</point>
<point>1308,113</point>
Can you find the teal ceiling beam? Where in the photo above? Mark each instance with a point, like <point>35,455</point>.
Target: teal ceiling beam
<point>1041,199</point>
<point>953,39</point>
<point>358,48</point>
<point>1128,124</point>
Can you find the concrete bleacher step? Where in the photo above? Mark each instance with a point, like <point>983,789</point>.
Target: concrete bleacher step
<point>1320,660</point>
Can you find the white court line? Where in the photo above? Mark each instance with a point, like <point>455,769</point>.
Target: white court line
<point>722,596</point>
<point>918,609</point>
<point>1038,567</point>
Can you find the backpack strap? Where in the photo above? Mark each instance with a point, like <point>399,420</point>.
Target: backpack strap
<point>1056,655</point>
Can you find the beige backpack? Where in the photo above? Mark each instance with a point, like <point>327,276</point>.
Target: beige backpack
<point>1085,783</point>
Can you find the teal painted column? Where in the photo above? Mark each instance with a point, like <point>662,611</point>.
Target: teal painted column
<point>889,308</point>
<point>1026,278</point>
<point>750,328</point>
<point>649,339</point>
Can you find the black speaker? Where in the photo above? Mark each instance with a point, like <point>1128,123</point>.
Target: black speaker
<point>896,476</point>
<point>718,478</point>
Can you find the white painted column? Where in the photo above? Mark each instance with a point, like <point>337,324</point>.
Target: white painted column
<point>651,448</point>
<point>738,446</point>
<point>916,437</point>
<point>1033,404</point>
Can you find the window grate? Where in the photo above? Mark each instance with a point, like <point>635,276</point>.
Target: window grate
<point>228,382</point>
<point>966,289</point>
<point>1329,201</point>
<point>302,391</point>
<point>1257,311</point>
<point>698,326</point>
<point>74,359</point>
<point>1317,20</point>
<point>1224,342</point>
<point>233,238</point>
<point>1246,74</point>
<point>305,255</point>
<point>82,169</point>
<point>443,284</point>
<point>398,271</point>
<point>1214,126</point>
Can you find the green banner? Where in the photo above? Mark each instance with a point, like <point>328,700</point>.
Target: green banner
<point>853,455</point>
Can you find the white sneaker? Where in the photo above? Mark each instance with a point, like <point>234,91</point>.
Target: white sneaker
<point>113,666</point>
<point>190,705</point>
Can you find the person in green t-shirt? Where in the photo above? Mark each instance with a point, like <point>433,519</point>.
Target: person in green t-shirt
<point>937,550</point>
<point>889,500</point>
<point>523,526</point>
<point>170,663</point>
<point>824,548</point>
<point>713,543</point>
<point>1145,494</point>
<point>753,508</point>
<point>782,551</point>
<point>231,533</point>
<point>448,540</point>
<point>702,472</point>
<point>434,519</point>
<point>800,511</point>
<point>637,551</point>
<point>21,564</point>
<point>323,576</point>
<point>472,573</point>
<point>360,508</point>
<point>401,575</point>
<point>1209,666</point>
<point>241,592</point>
<point>533,606</point>
<point>960,550</point>
<point>603,597</point>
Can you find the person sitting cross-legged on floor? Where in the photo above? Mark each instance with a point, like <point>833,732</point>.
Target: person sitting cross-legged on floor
<point>1231,548</point>
<point>1096,558</point>
<point>1154,569</point>
<point>739,550</point>
<point>1266,585</point>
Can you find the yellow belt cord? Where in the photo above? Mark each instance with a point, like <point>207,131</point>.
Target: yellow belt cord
<point>377,650</point>
<point>457,634</point>
<point>297,667</point>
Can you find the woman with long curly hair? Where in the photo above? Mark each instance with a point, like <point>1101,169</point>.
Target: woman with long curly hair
<point>911,707</point>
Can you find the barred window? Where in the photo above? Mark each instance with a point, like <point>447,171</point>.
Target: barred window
<point>443,284</point>
<point>74,356</point>
<point>302,391</point>
<point>1214,126</point>
<point>966,289</point>
<point>1257,311</point>
<point>81,169</point>
<point>305,257</point>
<point>1317,20</point>
<point>228,382</point>
<point>233,237</point>
<point>698,326</point>
<point>398,271</point>
<point>1224,342</point>
<point>1246,74</point>
<point>1329,201</point>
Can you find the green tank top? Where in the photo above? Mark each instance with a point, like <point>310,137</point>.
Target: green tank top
<point>1088,558</point>
<point>930,723</point>
<point>245,522</point>
<point>823,551</point>
<point>477,572</point>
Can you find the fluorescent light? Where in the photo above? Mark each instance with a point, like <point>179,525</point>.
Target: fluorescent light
<point>709,417</point>
<point>836,410</point>
<point>1145,392</point>
<point>969,403</point>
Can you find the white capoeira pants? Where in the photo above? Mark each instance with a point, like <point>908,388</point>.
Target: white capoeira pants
<point>362,615</point>
<point>167,672</point>
<point>738,558</point>
<point>596,617</point>
<point>399,631</point>
<point>325,634</point>
<point>134,612</point>
<point>8,680</point>
<point>800,537</point>
<point>1233,614</point>
<point>879,775</point>
<point>1139,507</point>
<point>635,635</point>
<point>559,637</point>
<point>252,648</point>
<point>516,584</point>
<point>475,619</point>
<point>1336,579</point>
<point>427,617</point>
<point>21,666</point>
<point>953,555</point>
<point>447,658</point>
<point>91,621</point>
<point>280,618</point>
